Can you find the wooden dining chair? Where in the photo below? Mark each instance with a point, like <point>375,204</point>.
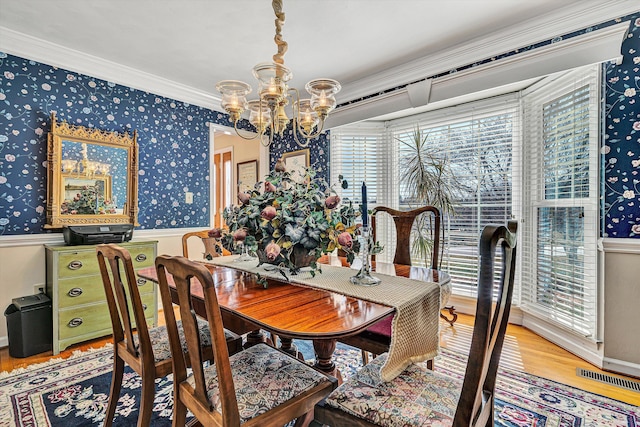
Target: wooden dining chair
<point>212,247</point>
<point>377,338</point>
<point>145,350</point>
<point>420,396</point>
<point>260,386</point>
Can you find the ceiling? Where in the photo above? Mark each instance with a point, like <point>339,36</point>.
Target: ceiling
<point>197,43</point>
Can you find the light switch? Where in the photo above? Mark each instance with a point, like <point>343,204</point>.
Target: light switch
<point>188,197</point>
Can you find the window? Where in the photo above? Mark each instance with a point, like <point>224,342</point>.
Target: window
<point>355,156</point>
<point>475,144</point>
<point>531,156</point>
<point>561,201</point>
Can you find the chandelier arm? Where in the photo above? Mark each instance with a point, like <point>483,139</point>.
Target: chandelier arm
<point>315,134</point>
<point>295,135</point>
<point>235,126</point>
<point>282,45</point>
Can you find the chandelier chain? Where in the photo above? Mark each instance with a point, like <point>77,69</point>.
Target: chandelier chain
<point>282,45</point>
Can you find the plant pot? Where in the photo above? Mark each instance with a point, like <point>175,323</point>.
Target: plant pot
<point>300,257</point>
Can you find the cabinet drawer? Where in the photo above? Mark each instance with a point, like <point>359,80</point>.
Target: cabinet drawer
<point>77,263</point>
<point>79,291</point>
<point>85,262</point>
<point>89,289</point>
<point>95,317</point>
<point>84,320</point>
<point>142,256</point>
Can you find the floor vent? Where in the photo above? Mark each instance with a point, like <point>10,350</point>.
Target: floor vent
<point>609,379</point>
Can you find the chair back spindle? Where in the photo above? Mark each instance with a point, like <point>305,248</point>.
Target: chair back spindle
<point>184,272</point>
<point>475,406</point>
<point>123,299</point>
<point>404,222</point>
<point>212,247</point>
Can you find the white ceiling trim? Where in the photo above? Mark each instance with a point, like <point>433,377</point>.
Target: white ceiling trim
<point>546,27</point>
<point>33,48</point>
<point>589,48</point>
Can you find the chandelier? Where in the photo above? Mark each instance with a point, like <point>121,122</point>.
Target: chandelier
<point>267,114</point>
<point>84,167</point>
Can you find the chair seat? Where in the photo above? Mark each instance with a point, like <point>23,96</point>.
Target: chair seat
<point>264,378</point>
<point>416,397</point>
<point>160,339</point>
<point>382,327</point>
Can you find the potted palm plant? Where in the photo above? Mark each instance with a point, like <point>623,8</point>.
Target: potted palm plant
<point>427,179</point>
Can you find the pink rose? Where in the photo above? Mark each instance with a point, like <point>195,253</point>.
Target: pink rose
<point>272,251</point>
<point>269,187</point>
<point>215,233</point>
<point>635,228</point>
<point>344,239</point>
<point>240,235</point>
<point>244,198</point>
<point>332,201</point>
<point>268,213</point>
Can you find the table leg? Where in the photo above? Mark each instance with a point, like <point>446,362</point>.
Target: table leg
<point>286,345</point>
<point>324,357</point>
<point>255,337</point>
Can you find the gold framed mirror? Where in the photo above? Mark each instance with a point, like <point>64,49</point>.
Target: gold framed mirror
<point>92,176</point>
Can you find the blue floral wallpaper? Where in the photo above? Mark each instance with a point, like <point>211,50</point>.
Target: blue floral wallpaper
<point>173,139</point>
<point>621,145</point>
<point>318,151</point>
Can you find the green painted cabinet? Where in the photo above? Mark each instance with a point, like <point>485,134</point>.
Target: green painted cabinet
<point>75,287</point>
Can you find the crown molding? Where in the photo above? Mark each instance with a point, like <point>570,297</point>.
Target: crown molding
<point>33,48</point>
<point>589,48</point>
<point>571,18</point>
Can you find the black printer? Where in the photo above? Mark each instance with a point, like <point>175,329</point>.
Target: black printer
<point>95,234</point>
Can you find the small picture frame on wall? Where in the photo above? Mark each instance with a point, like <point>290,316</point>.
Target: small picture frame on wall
<point>296,162</point>
<point>247,175</point>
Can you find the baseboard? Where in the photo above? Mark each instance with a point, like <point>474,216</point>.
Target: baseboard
<point>621,367</point>
<point>585,348</point>
<point>4,342</point>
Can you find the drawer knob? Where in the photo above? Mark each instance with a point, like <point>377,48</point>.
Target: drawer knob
<point>75,265</point>
<point>141,257</point>
<point>141,282</point>
<point>75,322</point>
<point>75,292</point>
<point>144,307</point>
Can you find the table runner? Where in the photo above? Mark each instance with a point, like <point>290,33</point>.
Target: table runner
<point>414,328</point>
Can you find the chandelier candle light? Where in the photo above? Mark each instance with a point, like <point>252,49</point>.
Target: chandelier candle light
<point>267,114</point>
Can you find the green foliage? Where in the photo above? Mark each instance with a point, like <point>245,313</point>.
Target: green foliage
<point>87,202</point>
<point>428,180</point>
<point>304,221</point>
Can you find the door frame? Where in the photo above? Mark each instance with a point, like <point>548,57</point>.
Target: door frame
<point>263,164</point>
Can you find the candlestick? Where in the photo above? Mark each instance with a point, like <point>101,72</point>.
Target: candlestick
<point>365,214</point>
<point>364,277</point>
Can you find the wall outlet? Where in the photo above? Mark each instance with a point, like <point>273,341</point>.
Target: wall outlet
<point>39,289</point>
<point>188,197</point>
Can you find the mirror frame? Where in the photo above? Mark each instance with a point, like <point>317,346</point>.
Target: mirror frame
<point>63,131</point>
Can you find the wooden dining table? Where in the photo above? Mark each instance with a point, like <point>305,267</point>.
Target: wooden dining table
<point>294,311</point>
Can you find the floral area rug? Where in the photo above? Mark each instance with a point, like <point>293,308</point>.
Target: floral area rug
<point>74,392</point>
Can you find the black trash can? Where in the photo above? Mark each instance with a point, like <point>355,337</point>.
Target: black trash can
<point>29,325</point>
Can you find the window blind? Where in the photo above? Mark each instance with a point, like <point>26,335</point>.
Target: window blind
<point>355,155</point>
<point>561,200</point>
<point>476,143</point>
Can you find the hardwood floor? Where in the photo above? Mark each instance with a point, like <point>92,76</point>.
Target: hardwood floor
<point>523,351</point>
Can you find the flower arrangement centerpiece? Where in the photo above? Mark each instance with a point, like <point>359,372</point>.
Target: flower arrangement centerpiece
<point>87,201</point>
<point>292,223</point>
